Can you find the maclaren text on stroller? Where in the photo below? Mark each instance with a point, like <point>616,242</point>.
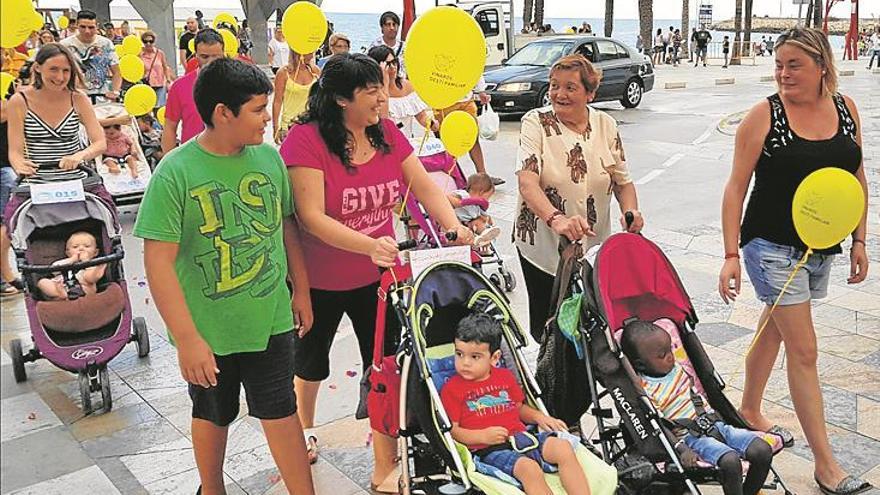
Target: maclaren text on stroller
<point>82,333</point>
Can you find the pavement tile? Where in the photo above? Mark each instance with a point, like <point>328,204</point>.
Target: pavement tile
<point>718,334</point>
<point>834,316</point>
<point>851,347</point>
<point>869,417</point>
<point>25,414</point>
<point>40,456</point>
<point>857,377</point>
<point>356,463</point>
<point>154,466</point>
<point>858,301</point>
<point>120,476</point>
<point>8,385</point>
<point>88,480</point>
<point>186,482</point>
<point>872,359</point>
<point>856,453</point>
<point>244,466</point>
<point>868,325</point>
<point>840,406</point>
<point>136,437</point>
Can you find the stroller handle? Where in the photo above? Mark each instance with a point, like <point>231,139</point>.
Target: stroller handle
<point>411,243</point>
<point>72,266</point>
<point>629,218</point>
<point>92,177</point>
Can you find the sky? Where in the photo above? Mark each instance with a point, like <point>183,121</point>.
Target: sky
<point>623,9</point>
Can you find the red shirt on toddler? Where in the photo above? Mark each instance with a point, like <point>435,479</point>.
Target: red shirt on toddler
<point>477,405</point>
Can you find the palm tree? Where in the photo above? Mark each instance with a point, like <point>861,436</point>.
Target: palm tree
<point>817,13</point>
<point>539,12</point>
<point>527,13</point>
<point>646,23</point>
<point>609,17</point>
<point>685,26</point>
<point>737,27</point>
<point>747,37</point>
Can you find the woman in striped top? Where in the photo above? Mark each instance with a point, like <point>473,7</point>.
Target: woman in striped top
<point>44,121</point>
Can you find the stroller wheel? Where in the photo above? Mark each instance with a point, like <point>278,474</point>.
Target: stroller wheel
<point>496,280</point>
<point>509,281</point>
<point>17,361</point>
<point>104,377</point>
<point>85,391</point>
<point>141,336</point>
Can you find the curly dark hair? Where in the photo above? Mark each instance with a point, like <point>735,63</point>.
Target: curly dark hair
<point>342,75</point>
<point>380,54</point>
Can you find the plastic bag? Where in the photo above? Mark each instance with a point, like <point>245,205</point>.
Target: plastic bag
<point>489,123</point>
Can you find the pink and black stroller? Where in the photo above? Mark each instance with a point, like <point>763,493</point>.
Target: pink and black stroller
<point>631,278</point>
<point>83,333</point>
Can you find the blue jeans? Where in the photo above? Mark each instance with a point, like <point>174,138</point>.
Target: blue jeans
<point>7,182</point>
<point>769,265</point>
<point>506,459</point>
<point>710,450</point>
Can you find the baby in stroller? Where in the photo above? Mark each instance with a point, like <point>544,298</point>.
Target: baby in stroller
<point>81,246</point>
<point>485,406</point>
<point>120,151</point>
<point>150,139</point>
<point>702,433</point>
<point>471,204</point>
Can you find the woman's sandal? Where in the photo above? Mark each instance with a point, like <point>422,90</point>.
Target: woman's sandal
<point>785,435</point>
<point>312,448</point>
<point>850,485</point>
<point>8,289</point>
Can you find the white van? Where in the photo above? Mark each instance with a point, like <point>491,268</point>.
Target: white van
<point>494,19</point>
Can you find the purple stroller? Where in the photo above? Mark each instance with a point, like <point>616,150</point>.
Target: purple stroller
<point>79,334</point>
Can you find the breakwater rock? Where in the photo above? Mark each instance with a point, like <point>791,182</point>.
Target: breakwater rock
<point>778,25</point>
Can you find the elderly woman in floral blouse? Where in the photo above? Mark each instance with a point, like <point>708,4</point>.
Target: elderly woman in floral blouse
<point>571,160</point>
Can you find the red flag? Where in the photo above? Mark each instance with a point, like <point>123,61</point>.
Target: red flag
<point>409,16</point>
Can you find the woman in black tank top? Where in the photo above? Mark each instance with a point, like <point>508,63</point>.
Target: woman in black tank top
<point>806,126</point>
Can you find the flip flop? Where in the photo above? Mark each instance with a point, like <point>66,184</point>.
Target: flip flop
<point>850,485</point>
<point>487,236</point>
<point>785,435</point>
<point>7,289</point>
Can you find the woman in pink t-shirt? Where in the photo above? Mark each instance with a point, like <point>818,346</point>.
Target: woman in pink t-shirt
<point>348,169</point>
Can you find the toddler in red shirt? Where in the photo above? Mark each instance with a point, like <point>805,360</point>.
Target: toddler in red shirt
<point>485,405</point>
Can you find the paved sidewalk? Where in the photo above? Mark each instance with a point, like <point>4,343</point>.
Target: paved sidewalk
<point>680,161</point>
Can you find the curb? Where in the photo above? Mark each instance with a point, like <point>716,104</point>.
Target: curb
<point>675,85</point>
<point>767,78</point>
<point>846,73</point>
<point>724,81</point>
<point>875,71</point>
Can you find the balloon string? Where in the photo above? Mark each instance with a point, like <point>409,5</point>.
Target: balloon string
<point>797,267</point>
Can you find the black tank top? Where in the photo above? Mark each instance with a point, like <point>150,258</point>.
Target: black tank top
<point>785,161</point>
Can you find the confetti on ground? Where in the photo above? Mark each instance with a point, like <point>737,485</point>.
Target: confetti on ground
<point>142,284</point>
<point>351,374</point>
<point>369,438</point>
<point>275,479</point>
<point>332,386</point>
<point>147,300</point>
<point>32,416</point>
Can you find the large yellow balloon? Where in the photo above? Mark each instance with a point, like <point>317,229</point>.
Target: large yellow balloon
<point>63,22</point>
<point>132,44</point>
<point>139,100</point>
<point>225,18</point>
<point>459,133</point>
<point>230,42</point>
<point>132,68</point>
<point>827,207</point>
<point>160,116</point>
<point>304,26</point>
<point>17,19</point>
<point>37,21</point>
<point>445,55</point>
<point>120,51</point>
<point>6,80</point>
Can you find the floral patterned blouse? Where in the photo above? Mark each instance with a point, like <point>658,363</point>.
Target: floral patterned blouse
<point>577,173</point>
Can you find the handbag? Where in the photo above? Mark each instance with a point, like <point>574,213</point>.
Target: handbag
<point>146,78</point>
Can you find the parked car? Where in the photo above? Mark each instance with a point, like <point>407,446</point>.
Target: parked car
<point>522,82</point>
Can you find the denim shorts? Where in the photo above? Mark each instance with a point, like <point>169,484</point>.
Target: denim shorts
<point>7,182</point>
<point>267,377</point>
<point>505,460</point>
<point>769,265</point>
<point>710,450</point>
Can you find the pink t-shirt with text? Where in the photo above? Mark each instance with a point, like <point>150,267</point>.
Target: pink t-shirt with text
<point>362,201</point>
<point>181,107</point>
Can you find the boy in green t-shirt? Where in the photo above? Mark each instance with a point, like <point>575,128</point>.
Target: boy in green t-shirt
<point>219,241</point>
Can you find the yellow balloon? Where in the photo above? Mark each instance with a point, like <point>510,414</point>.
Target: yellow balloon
<point>139,100</point>
<point>37,21</point>
<point>304,26</point>
<point>120,51</point>
<point>192,45</point>
<point>6,80</point>
<point>827,207</point>
<point>160,116</point>
<point>63,22</point>
<point>459,133</point>
<point>32,53</point>
<point>132,44</point>
<point>132,68</point>
<point>17,19</point>
<point>230,42</point>
<point>226,18</point>
<point>443,72</point>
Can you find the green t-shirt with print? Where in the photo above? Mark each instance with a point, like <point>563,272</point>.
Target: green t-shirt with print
<point>225,214</point>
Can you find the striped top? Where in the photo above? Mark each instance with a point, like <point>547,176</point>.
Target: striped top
<point>46,145</point>
<point>671,394</point>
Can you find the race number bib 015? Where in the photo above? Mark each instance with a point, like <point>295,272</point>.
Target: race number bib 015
<point>57,192</point>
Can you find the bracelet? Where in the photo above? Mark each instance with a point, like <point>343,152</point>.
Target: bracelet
<point>857,241</point>
<point>553,216</point>
<point>728,256</point>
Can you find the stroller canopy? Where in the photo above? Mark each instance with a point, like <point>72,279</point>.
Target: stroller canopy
<point>30,217</point>
<point>633,278</point>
